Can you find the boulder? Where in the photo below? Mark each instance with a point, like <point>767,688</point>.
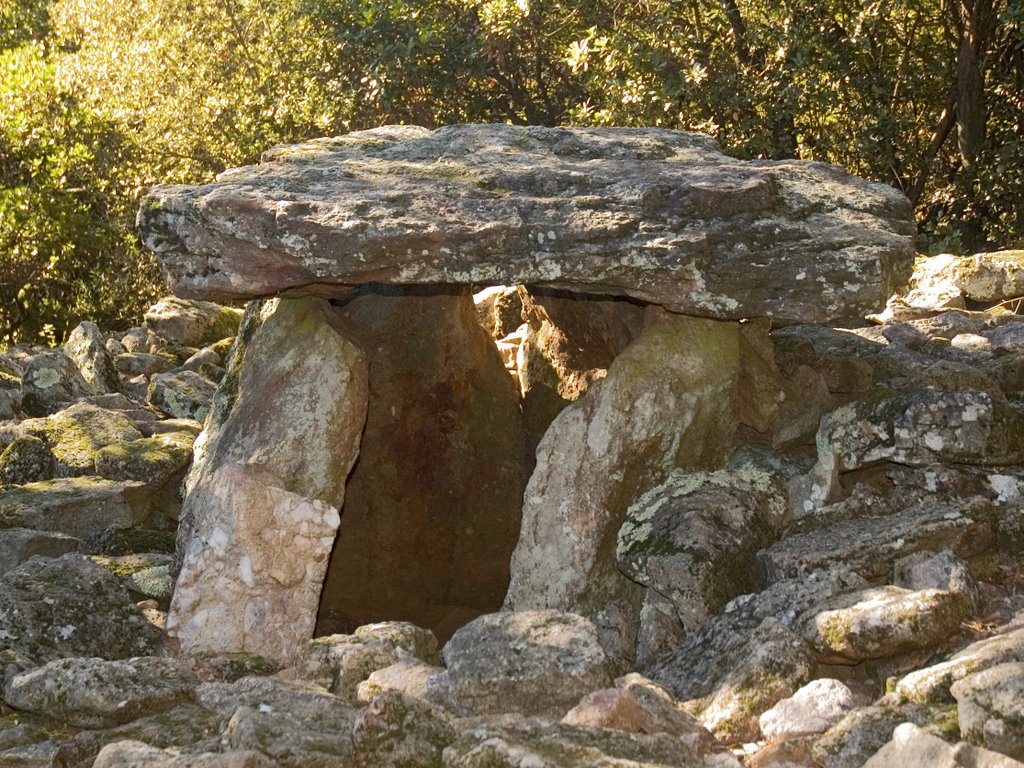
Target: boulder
<point>887,621</point>
<point>693,537</point>
<point>26,460</point>
<point>852,741</point>
<point>982,277</point>
<point>181,394</point>
<point>510,742</point>
<point>77,506</point>
<point>261,511</point>
<point>923,427</point>
<point>87,348</point>
<point>49,379</point>
<point>191,323</point>
<point>667,402</point>
<point>136,754</point>
<point>990,706</point>
<point>99,693</point>
<point>295,724</point>
<point>69,606</point>
<point>396,731</point>
<point>659,215</point>
<point>812,709</point>
<point>932,684</point>
<point>342,662</point>
<point>870,544</point>
<point>911,746</point>
<point>407,676</point>
<point>77,433</point>
<point>432,508</point>
<point>737,678</point>
<point>530,662</point>
<point>153,460</point>
<point>19,544</point>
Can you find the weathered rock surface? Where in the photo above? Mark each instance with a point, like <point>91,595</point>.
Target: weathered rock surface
<point>342,662</point>
<point>20,544</point>
<point>181,394</point>
<point>532,662</point>
<point>812,709</point>
<point>911,746</point>
<point>569,342</point>
<point>396,731</point>
<point>923,427</point>
<point>656,214</point>
<point>50,378</point>
<point>87,348</point>
<point>507,742</point>
<point>262,508</point>
<point>98,693</point>
<point>667,402</point>
<point>137,754</point>
<point>432,508</point>
<point>69,606</point>
<point>693,538</point>
<point>26,460</point>
<point>76,506</point>
<point>886,621</point>
<point>191,323</point>
<point>990,706</point>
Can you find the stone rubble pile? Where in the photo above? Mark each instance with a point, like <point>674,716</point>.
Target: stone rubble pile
<point>525,528</point>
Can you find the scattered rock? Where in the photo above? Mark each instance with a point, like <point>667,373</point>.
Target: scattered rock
<point>911,746</point>
<point>532,662</point>
<point>19,544</point>
<point>76,506</point>
<point>48,380</point>
<point>181,394</point>
<point>26,460</point>
<point>69,606</point>
<point>98,693</point>
<point>191,323</point>
<point>396,731</point>
<point>812,709</point>
<point>990,704</point>
<point>87,348</point>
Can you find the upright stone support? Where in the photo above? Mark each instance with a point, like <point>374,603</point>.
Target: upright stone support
<point>669,400</point>
<point>261,510</point>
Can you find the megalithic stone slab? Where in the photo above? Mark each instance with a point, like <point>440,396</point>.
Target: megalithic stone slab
<point>659,215</point>
<point>668,401</point>
<point>261,510</point>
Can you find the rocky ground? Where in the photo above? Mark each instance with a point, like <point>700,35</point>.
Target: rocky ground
<point>845,590</point>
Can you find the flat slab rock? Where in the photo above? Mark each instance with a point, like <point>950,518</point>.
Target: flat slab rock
<point>658,215</point>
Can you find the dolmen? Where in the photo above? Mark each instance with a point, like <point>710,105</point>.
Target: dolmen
<point>368,457</point>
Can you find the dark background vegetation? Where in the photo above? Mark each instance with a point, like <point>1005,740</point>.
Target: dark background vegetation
<point>101,98</point>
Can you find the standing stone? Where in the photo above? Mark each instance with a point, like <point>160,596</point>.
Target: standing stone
<point>432,508</point>
<point>262,506</point>
<point>667,402</point>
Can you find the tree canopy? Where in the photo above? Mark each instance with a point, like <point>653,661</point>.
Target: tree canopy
<point>101,98</point>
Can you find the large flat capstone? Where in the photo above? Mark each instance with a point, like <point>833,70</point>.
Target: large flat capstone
<point>658,215</point>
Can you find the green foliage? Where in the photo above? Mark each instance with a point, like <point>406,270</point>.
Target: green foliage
<point>102,98</point>
<point>65,249</point>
